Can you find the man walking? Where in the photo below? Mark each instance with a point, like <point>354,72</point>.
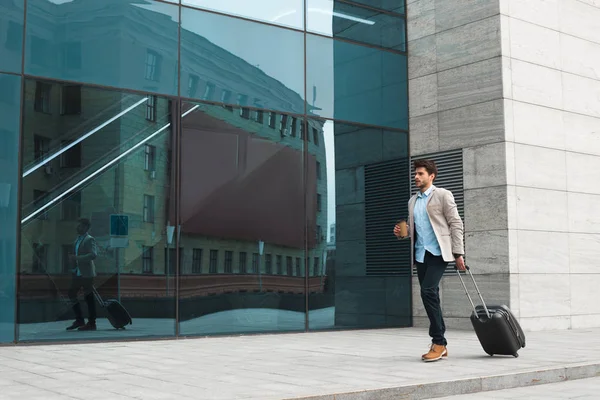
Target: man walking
<point>84,272</point>
<point>436,232</point>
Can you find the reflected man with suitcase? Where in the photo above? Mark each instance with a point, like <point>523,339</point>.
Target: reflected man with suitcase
<point>83,273</point>
<point>436,232</point>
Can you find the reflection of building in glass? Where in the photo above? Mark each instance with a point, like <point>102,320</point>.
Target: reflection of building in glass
<point>230,180</point>
<point>141,185</point>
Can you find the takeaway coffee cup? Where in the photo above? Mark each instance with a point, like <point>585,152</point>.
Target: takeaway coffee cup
<point>403,228</point>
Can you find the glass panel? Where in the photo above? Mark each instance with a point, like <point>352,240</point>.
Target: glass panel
<point>390,5</point>
<point>129,44</point>
<point>356,83</point>
<point>355,23</point>
<point>11,35</point>
<point>360,276</point>
<point>280,12</point>
<point>242,211</point>
<point>263,68</point>
<point>10,95</point>
<point>95,167</point>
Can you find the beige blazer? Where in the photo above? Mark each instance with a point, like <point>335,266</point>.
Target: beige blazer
<point>446,223</point>
<point>88,251</point>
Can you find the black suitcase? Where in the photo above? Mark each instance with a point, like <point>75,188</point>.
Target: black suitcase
<point>496,327</point>
<point>117,314</point>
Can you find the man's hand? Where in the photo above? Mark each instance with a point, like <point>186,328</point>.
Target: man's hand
<point>398,232</point>
<point>460,263</point>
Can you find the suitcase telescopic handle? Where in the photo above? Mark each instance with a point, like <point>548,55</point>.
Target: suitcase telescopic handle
<point>98,297</point>
<point>487,312</point>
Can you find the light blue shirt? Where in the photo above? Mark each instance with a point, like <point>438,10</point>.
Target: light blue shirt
<point>426,240</point>
<point>77,243</point>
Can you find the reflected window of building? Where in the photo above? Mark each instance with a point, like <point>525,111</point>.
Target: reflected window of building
<point>283,125</point>
<point>229,262</point>
<point>70,100</point>
<point>289,266</point>
<point>153,65</point>
<point>259,116</point>
<point>151,108</point>
<point>214,261</point>
<point>255,261</point>
<point>148,208</point>
<point>192,85</point>
<point>149,157</point>
<point>319,209</point>
<point>147,259</point>
<point>226,99</point>
<point>272,119</point>
<point>243,262</point>
<point>315,132</point>
<point>279,265</point>
<point>294,127</point>
<point>319,173</point>
<point>316,266</point>
<point>268,264</point>
<point>298,268</point>
<point>209,91</point>
<point>242,100</point>
<point>41,146</point>
<point>197,261</point>
<point>42,97</point>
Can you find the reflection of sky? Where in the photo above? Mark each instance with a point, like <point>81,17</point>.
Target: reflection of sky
<point>161,8</point>
<point>330,154</point>
<point>281,12</point>
<point>277,52</point>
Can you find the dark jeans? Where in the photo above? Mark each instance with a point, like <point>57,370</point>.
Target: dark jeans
<point>78,282</point>
<point>430,274</point>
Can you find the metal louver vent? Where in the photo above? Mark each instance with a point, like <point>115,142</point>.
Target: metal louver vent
<point>386,201</point>
<point>450,177</point>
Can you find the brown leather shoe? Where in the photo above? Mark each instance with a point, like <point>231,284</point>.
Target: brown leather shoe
<point>435,353</point>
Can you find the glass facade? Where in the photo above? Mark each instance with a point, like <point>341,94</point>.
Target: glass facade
<point>240,167</point>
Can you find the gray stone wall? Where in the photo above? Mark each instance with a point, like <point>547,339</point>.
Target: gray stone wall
<point>516,85</point>
<point>456,101</point>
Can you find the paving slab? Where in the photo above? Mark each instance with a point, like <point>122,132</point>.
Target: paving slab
<point>342,365</point>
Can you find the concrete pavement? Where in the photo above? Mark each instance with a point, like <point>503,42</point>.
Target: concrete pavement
<point>347,365</point>
<point>581,389</point>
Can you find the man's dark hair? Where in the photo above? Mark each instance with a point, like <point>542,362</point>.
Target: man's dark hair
<point>429,166</point>
<point>86,222</point>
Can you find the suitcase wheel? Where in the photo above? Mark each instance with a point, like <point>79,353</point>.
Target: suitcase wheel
<point>516,355</point>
